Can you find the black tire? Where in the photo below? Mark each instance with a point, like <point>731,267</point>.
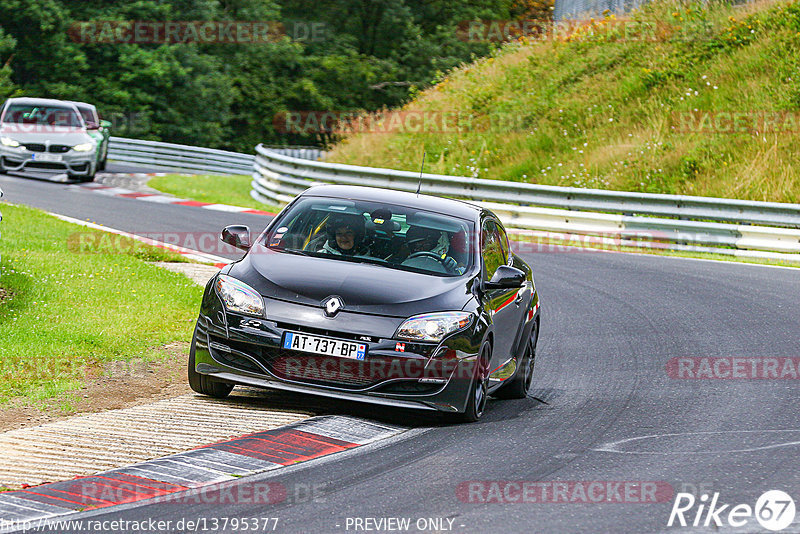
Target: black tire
<point>102,165</point>
<point>204,384</point>
<point>478,391</point>
<point>519,385</point>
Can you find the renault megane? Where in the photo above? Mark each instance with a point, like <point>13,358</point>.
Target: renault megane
<point>372,295</point>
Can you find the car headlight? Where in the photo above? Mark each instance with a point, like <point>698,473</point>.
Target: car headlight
<point>433,326</point>
<point>238,296</point>
<point>7,141</point>
<point>83,147</point>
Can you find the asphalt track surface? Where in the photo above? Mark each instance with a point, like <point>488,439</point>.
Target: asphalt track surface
<point>610,325</point>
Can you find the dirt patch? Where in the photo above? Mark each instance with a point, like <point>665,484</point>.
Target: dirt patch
<point>4,295</point>
<point>118,385</point>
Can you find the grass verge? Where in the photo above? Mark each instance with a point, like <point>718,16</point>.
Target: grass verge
<point>74,304</point>
<point>232,190</point>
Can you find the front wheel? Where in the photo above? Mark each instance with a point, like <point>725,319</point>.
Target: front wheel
<point>204,384</point>
<point>518,386</point>
<point>479,388</point>
<point>81,178</point>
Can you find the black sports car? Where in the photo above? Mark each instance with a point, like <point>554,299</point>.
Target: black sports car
<point>372,295</point>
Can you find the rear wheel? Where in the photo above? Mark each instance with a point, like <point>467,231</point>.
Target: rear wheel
<point>204,384</point>
<point>518,387</point>
<point>479,388</point>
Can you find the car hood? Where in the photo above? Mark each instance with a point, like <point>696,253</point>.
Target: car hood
<point>29,133</point>
<point>364,288</point>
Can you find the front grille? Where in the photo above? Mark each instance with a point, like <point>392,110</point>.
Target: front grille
<point>411,387</point>
<point>236,361</point>
<point>59,149</point>
<point>324,370</point>
<point>312,369</point>
<point>35,147</point>
<point>45,165</point>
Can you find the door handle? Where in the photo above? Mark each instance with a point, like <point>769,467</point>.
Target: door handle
<point>518,300</point>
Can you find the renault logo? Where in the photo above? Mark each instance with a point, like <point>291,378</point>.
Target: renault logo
<point>333,305</point>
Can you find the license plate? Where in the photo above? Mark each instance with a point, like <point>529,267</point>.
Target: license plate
<point>46,157</point>
<point>324,345</point>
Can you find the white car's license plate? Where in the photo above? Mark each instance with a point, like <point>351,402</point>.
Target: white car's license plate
<point>324,345</point>
<point>43,156</point>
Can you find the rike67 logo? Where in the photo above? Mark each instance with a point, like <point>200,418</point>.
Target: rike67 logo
<point>774,510</point>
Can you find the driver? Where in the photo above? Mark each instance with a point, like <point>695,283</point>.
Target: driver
<point>345,236</point>
<point>420,239</point>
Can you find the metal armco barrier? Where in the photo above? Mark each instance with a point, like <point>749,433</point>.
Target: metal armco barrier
<point>193,159</point>
<point>726,226</point>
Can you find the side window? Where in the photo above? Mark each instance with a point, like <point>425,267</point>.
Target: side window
<point>491,249</point>
<point>503,242</point>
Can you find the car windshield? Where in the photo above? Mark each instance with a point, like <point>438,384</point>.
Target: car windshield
<point>392,236</point>
<point>89,116</point>
<point>42,115</point>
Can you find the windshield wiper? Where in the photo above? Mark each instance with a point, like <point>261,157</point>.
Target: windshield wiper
<point>291,251</point>
<point>366,259</point>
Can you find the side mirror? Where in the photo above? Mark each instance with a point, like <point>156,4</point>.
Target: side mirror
<point>236,235</point>
<point>105,124</point>
<point>506,277</point>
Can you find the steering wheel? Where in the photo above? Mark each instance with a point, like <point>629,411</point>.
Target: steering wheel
<point>425,253</point>
<point>448,263</point>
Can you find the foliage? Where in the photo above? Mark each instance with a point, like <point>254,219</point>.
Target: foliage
<point>368,55</point>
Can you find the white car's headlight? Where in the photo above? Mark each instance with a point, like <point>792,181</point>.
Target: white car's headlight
<point>7,141</point>
<point>238,296</point>
<point>83,147</point>
<point>433,326</point>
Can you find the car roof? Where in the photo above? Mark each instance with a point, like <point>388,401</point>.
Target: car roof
<point>445,206</point>
<point>40,101</point>
<point>84,104</point>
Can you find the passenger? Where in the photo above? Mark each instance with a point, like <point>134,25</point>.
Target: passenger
<point>346,236</point>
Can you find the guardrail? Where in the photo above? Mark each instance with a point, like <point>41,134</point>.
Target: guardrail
<point>725,226</point>
<point>193,159</point>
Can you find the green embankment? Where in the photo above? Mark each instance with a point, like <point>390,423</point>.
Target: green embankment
<point>682,98</point>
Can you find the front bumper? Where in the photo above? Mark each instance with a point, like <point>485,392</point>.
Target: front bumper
<point>246,350</point>
<point>75,163</point>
